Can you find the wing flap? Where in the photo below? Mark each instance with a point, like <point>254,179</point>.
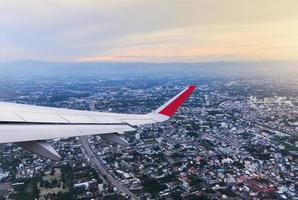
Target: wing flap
<point>7,116</point>
<point>40,117</point>
<point>79,119</point>
<point>21,133</point>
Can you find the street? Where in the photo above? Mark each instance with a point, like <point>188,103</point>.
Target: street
<point>102,170</point>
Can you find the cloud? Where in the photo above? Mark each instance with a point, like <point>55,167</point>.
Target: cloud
<point>157,31</point>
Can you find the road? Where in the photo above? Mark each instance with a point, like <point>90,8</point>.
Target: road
<point>103,171</point>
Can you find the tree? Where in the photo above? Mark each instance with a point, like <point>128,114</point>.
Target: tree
<point>151,185</point>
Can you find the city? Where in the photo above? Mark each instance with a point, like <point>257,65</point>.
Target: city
<point>235,138</point>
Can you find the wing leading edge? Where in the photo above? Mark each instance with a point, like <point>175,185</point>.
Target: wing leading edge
<point>24,123</point>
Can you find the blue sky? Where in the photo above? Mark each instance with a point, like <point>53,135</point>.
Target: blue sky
<point>150,31</point>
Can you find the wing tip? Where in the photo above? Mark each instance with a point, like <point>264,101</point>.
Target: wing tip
<point>171,107</point>
<point>193,87</point>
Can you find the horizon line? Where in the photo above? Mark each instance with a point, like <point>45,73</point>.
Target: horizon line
<point>145,62</point>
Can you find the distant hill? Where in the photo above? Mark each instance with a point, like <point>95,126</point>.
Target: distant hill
<point>29,69</point>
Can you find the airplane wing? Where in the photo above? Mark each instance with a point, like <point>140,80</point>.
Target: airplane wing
<point>29,126</point>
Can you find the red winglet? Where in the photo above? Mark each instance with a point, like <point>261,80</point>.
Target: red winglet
<point>171,106</point>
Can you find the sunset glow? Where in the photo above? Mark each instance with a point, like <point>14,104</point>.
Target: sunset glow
<point>129,30</point>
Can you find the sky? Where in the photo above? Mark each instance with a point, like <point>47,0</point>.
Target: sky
<point>148,31</point>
